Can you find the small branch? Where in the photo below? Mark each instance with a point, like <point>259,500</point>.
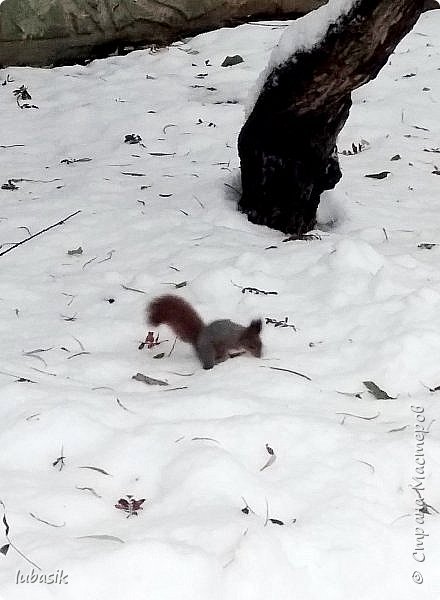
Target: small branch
<point>119,403</point>
<point>253,290</point>
<point>79,343</point>
<point>88,262</point>
<point>267,513</point>
<point>173,346</point>
<point>97,469</point>
<point>89,489</point>
<point>11,543</point>
<point>181,374</point>
<point>46,522</point>
<point>289,371</point>
<point>108,257</point>
<point>130,289</point>
<point>59,462</point>
<point>44,372</point>
<point>77,354</point>
<point>39,233</point>
<point>183,387</point>
<point>398,429</point>
<point>364,462</point>
<point>231,187</point>
<point>358,416</point>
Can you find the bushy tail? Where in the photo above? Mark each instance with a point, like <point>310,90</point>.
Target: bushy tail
<point>177,314</point>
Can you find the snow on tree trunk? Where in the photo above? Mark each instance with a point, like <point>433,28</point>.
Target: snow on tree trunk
<point>287,145</point>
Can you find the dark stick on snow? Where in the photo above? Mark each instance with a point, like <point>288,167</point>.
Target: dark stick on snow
<point>39,233</point>
<point>173,346</point>
<point>11,543</point>
<point>290,371</point>
<point>46,522</point>
<point>358,416</point>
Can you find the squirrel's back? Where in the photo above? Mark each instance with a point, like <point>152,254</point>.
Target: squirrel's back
<point>212,342</point>
<point>178,314</point>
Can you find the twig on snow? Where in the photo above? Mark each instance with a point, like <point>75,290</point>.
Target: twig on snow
<point>173,346</point>
<point>364,462</point>
<point>4,549</point>
<point>289,371</point>
<point>39,233</point>
<point>358,416</point>
<point>46,522</point>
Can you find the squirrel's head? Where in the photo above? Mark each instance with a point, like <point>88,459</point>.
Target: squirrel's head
<point>250,338</point>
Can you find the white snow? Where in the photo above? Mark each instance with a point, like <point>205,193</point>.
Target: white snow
<point>305,33</point>
<point>365,300</point>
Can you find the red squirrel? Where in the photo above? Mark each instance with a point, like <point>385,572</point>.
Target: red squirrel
<point>212,342</point>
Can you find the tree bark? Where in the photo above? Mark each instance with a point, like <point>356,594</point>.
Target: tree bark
<point>53,32</point>
<point>287,146</point>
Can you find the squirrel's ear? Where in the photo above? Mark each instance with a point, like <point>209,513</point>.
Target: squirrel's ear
<point>256,326</point>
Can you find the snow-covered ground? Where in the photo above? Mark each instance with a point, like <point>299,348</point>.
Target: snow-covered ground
<point>365,301</point>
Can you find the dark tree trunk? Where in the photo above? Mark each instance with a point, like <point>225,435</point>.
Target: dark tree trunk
<point>430,5</point>
<point>287,146</point>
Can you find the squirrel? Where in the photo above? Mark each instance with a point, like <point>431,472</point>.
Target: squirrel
<point>212,342</point>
